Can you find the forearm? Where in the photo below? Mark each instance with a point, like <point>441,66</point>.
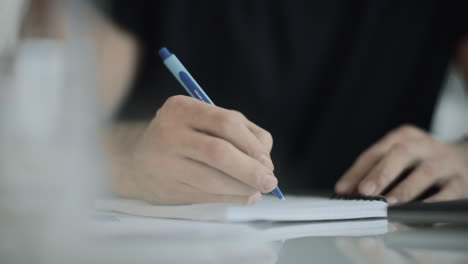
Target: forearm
<point>120,140</point>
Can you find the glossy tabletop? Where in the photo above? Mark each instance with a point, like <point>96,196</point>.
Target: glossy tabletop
<point>226,243</point>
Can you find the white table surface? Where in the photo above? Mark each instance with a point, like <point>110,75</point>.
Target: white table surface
<point>401,244</point>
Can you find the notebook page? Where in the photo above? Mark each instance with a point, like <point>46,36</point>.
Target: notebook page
<point>269,209</point>
<point>307,209</point>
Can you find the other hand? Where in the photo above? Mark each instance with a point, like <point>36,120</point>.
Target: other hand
<point>420,159</point>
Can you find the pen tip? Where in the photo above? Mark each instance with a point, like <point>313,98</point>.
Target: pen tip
<point>282,198</point>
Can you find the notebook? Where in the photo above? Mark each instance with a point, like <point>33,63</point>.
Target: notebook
<point>294,208</point>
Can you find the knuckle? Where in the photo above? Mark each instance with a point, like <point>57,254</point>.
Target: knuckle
<point>369,154</point>
<point>408,131</point>
<point>226,123</point>
<point>176,102</point>
<point>237,115</point>
<point>267,138</point>
<point>216,151</point>
<point>401,148</point>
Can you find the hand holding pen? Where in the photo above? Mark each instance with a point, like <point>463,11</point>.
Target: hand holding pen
<point>193,88</point>
<point>196,152</point>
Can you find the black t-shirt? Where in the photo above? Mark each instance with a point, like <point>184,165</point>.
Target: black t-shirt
<point>326,78</point>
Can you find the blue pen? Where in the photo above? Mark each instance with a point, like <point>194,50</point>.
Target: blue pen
<point>192,87</point>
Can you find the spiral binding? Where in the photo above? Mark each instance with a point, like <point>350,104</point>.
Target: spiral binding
<point>358,197</point>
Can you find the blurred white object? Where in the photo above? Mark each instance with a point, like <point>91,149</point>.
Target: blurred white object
<point>450,120</point>
<point>11,14</point>
<point>50,160</point>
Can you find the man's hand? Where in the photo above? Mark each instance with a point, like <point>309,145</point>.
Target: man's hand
<point>193,152</point>
<point>412,153</point>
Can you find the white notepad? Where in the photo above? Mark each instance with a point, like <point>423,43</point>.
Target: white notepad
<point>268,209</point>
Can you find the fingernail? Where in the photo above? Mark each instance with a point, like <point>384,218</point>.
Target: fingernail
<point>269,183</point>
<point>392,200</point>
<point>342,186</point>
<point>368,188</point>
<point>267,161</point>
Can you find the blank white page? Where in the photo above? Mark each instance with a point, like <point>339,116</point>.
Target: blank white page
<point>269,208</point>
<point>307,209</point>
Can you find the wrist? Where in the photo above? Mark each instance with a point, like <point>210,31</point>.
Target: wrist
<point>120,141</point>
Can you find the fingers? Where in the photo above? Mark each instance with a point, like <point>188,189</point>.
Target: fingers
<point>408,149</point>
<point>229,125</point>
<point>176,180</point>
<point>211,180</point>
<point>422,177</point>
<point>232,126</point>
<point>194,152</point>
<point>388,169</point>
<point>223,156</point>
<point>371,157</point>
<point>262,135</point>
<point>266,141</point>
<point>359,169</point>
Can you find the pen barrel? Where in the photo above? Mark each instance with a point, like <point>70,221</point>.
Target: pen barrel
<point>185,79</point>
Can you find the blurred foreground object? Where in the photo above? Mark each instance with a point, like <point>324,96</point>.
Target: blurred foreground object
<point>50,162</point>
<point>11,13</point>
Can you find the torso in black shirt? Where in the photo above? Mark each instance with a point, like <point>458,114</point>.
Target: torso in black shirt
<point>326,78</point>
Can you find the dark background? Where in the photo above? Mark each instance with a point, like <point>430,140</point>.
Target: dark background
<point>326,78</point>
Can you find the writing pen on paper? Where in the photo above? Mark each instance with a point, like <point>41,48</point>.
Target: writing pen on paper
<point>192,87</point>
